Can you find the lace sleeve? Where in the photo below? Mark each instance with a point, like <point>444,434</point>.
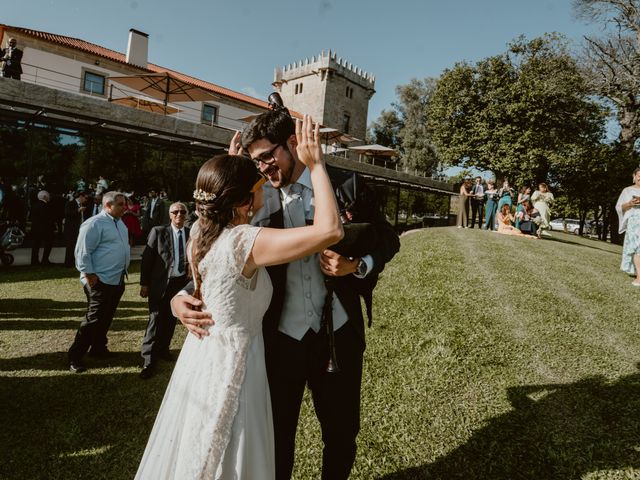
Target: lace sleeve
<point>229,252</point>
<point>242,238</point>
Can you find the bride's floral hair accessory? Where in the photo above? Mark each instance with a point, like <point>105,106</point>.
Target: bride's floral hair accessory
<point>202,196</point>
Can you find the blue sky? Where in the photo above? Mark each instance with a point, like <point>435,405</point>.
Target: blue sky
<point>237,44</point>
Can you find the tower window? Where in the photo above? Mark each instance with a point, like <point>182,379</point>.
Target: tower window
<point>349,92</point>
<point>346,119</point>
<point>298,88</point>
<point>295,89</point>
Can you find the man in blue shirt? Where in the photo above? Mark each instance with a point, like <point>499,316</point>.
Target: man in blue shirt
<point>102,258</point>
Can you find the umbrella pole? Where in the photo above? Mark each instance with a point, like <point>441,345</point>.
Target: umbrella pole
<point>166,95</point>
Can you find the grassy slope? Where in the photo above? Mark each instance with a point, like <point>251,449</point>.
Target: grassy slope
<point>491,357</point>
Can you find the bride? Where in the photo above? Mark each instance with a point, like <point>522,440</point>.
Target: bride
<point>215,419</point>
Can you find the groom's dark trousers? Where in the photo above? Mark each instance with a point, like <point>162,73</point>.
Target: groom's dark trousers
<point>293,364</point>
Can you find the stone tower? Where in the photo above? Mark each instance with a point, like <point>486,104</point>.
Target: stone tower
<point>332,91</point>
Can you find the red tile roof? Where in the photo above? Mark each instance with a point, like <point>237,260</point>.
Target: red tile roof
<point>77,44</point>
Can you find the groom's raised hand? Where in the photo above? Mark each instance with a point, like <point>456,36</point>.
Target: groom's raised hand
<point>187,309</point>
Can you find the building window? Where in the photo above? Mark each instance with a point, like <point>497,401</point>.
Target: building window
<point>349,92</point>
<point>94,83</point>
<point>346,119</point>
<point>209,114</point>
<point>298,88</point>
<point>295,89</point>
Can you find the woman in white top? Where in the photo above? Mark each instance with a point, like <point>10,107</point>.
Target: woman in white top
<point>542,200</point>
<point>215,419</point>
<point>628,208</point>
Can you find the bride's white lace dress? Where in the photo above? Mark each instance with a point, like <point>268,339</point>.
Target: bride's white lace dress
<point>215,419</point>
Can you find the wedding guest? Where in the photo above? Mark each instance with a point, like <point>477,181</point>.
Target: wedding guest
<point>102,258</point>
<point>463,204</point>
<point>75,212</point>
<point>131,219</point>
<point>155,212</point>
<point>42,228</point>
<point>477,202</point>
<point>506,221</point>
<point>628,208</point>
<point>491,205</point>
<point>96,204</point>
<point>12,60</point>
<point>542,200</point>
<point>505,194</point>
<point>526,218</point>
<point>523,194</point>
<point>163,273</point>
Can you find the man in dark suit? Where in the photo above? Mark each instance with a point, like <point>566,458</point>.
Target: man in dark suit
<point>42,228</point>
<point>75,212</point>
<point>155,212</point>
<point>163,273</point>
<point>12,60</point>
<point>296,341</point>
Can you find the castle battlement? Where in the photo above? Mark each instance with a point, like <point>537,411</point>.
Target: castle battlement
<point>325,62</point>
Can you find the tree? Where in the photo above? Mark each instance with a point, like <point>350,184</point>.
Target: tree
<point>405,126</point>
<point>414,98</point>
<point>517,113</point>
<point>612,61</point>
<point>386,130</point>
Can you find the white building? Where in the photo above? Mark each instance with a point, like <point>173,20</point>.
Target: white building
<point>75,65</point>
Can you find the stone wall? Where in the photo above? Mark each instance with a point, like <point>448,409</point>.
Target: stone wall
<point>318,86</point>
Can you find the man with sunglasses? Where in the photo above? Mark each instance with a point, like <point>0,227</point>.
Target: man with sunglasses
<point>296,344</point>
<point>163,273</point>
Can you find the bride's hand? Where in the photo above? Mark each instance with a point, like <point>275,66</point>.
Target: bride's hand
<point>308,139</point>
<point>235,147</point>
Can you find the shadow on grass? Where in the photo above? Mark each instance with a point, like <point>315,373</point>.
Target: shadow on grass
<point>556,431</point>
<point>46,309</point>
<point>567,238</point>
<point>60,361</point>
<point>28,273</point>
<point>77,425</point>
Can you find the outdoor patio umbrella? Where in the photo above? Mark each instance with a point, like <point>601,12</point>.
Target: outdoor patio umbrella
<point>165,86</point>
<point>146,105</point>
<point>375,150</point>
<point>329,134</point>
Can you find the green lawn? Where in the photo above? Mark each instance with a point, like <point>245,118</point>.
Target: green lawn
<point>491,357</point>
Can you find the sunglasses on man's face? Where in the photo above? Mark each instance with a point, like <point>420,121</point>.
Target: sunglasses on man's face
<point>176,212</point>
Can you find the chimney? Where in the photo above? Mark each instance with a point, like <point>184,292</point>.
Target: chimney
<point>138,48</point>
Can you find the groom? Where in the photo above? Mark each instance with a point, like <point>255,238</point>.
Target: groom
<point>296,347</point>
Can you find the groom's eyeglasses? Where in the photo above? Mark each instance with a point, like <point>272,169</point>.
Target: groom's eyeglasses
<point>178,212</point>
<point>267,157</point>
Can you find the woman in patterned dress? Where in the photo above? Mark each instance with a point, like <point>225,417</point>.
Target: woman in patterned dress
<point>628,208</point>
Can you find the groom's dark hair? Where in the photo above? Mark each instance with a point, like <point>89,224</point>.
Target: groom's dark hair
<point>275,125</point>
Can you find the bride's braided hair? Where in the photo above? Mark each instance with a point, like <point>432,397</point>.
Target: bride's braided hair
<point>224,183</point>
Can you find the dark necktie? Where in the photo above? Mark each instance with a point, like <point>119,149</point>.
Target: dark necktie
<point>180,252</point>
